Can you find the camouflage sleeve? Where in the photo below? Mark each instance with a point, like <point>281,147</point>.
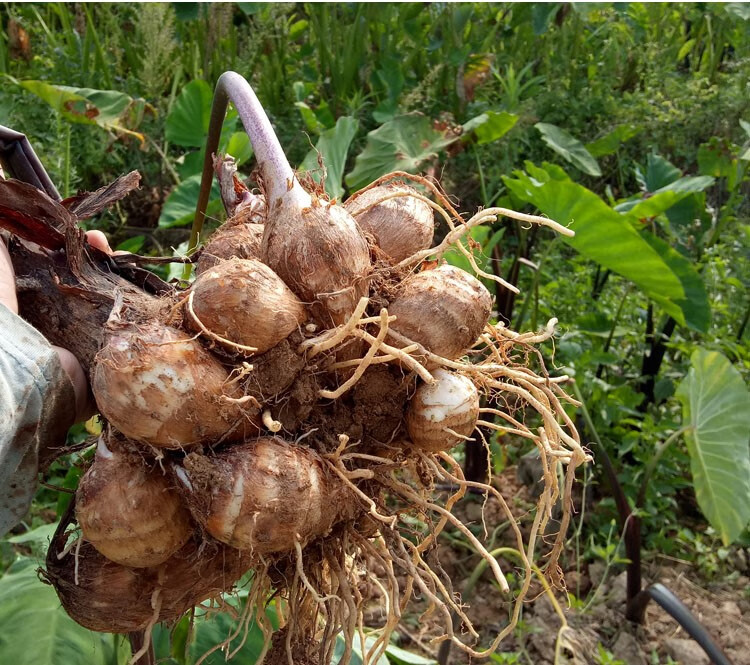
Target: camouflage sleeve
<point>37,406</point>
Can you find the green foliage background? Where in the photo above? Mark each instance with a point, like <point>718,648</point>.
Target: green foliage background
<point>628,121</point>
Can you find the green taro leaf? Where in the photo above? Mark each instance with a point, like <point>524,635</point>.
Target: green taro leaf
<point>187,122</point>
<point>179,208</point>
<point>715,158</point>
<point>109,109</point>
<point>716,404</point>
<point>738,9</point>
<point>356,657</point>
<point>542,15</point>
<point>607,237</point>
<point>333,147</point>
<point>239,147</point>
<point>37,630</point>
<point>402,144</point>
<point>659,173</point>
<point>42,535</point>
<point>132,245</point>
<point>689,184</point>
<point>694,307</point>
<point>652,206</point>
<point>490,126</point>
<point>403,657</point>
<point>214,629</point>
<point>569,148</point>
<point>609,143</point>
<point>485,241</point>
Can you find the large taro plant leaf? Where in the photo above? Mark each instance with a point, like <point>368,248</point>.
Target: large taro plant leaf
<point>187,122</point>
<point>716,406</point>
<point>490,126</point>
<point>569,148</point>
<point>332,148</point>
<point>408,141</point>
<point>109,109</point>
<point>402,144</point>
<point>612,240</point>
<point>37,631</point>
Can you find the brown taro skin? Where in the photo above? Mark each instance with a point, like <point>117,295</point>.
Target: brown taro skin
<point>321,254</point>
<point>264,495</point>
<point>444,310</point>
<point>130,512</point>
<point>247,303</point>
<point>108,597</point>
<point>159,386</point>
<point>401,226</point>
<point>240,241</point>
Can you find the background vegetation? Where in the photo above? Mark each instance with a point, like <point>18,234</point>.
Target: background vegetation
<point>628,120</point>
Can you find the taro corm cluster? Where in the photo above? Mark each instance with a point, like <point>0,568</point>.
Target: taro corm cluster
<point>293,410</point>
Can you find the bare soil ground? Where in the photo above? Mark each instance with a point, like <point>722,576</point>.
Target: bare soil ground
<point>722,606</point>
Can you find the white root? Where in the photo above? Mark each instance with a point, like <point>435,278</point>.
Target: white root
<point>331,338</point>
<point>269,422</point>
<point>364,364</point>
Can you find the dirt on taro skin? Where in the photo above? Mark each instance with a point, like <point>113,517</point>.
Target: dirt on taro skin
<point>275,370</point>
<point>371,412</point>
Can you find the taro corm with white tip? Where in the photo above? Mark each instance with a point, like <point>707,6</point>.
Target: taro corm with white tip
<point>159,386</point>
<point>264,496</point>
<point>444,413</point>
<point>299,401</point>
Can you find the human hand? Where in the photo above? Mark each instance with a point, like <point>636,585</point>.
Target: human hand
<point>84,404</point>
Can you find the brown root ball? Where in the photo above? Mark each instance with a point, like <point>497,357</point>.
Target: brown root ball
<point>245,302</point>
<point>159,386</point>
<point>444,310</point>
<point>107,597</point>
<point>264,495</point>
<point>321,254</point>
<point>401,226</point>
<point>129,512</point>
<point>441,414</point>
<point>240,241</point>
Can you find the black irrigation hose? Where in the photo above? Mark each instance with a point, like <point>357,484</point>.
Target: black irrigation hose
<point>673,606</point>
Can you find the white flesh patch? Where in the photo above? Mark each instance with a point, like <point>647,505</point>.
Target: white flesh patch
<point>182,475</point>
<point>234,506</point>
<point>102,450</point>
<point>451,395</point>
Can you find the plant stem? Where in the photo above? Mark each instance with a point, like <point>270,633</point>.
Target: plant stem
<point>743,325</point>
<point>482,184</point>
<point>660,450</point>
<point>630,522</point>
<point>278,178</point>
<point>66,163</point>
<point>165,160</point>
<point>534,290</point>
<point>610,337</point>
